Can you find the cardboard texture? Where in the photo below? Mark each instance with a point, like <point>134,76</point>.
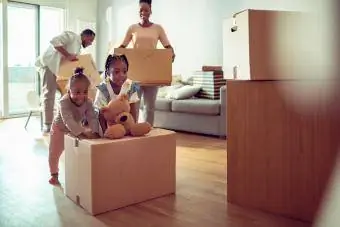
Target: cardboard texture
<point>149,67</point>
<point>67,68</point>
<point>103,175</point>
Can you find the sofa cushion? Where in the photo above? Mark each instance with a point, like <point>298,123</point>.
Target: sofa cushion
<point>197,106</point>
<point>163,104</point>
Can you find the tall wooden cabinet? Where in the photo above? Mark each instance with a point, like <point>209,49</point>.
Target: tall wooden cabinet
<point>283,133</point>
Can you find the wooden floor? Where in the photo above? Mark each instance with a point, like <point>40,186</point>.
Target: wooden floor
<point>26,198</point>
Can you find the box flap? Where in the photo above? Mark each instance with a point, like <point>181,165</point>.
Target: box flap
<point>152,133</point>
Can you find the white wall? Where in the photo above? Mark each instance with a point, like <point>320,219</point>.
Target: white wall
<point>104,30</point>
<point>80,15</point>
<point>80,10</point>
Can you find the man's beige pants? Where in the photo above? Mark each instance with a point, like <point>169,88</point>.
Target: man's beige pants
<point>49,88</point>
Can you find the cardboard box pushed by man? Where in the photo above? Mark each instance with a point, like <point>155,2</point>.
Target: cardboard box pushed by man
<point>85,61</point>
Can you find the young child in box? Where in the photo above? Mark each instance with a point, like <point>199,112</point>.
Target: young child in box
<point>115,83</point>
<point>73,107</point>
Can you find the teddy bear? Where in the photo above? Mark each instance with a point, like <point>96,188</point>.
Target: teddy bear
<point>120,121</point>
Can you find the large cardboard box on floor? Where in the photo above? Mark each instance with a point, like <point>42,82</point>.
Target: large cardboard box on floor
<point>66,69</point>
<point>103,175</point>
<point>149,67</point>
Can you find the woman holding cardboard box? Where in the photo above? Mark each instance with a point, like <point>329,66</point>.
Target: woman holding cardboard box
<point>145,35</point>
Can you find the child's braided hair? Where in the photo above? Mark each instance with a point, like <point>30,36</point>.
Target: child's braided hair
<point>78,75</point>
<point>112,58</point>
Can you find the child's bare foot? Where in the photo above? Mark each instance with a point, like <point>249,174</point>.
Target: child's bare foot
<point>54,180</point>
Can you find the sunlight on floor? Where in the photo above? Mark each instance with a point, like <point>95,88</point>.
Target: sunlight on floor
<point>27,199</point>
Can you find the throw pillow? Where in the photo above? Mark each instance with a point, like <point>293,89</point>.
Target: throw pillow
<point>176,79</point>
<point>164,91</point>
<point>187,80</point>
<point>184,92</point>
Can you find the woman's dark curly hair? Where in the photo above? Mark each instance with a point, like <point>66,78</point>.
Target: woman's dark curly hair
<point>112,58</point>
<point>145,1</point>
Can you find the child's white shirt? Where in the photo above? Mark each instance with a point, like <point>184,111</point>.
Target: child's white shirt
<point>101,101</point>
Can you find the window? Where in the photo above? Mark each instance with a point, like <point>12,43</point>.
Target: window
<point>22,52</point>
<point>30,28</point>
